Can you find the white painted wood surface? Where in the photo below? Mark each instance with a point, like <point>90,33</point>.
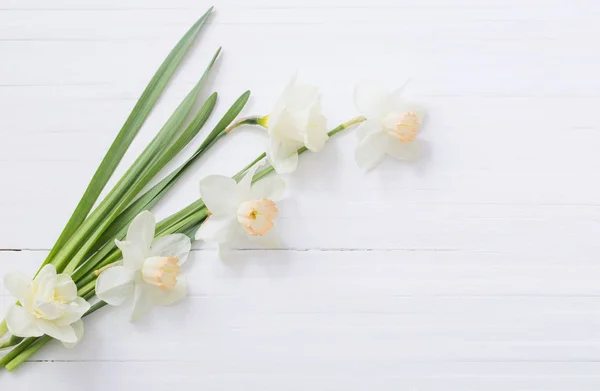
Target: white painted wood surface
<point>476,269</point>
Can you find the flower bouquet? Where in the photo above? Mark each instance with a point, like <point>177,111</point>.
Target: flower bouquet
<point>116,253</point>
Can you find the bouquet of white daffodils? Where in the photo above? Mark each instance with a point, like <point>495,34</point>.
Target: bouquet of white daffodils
<point>116,253</point>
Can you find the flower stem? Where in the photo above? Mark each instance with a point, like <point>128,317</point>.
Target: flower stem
<point>28,352</point>
<point>3,328</point>
<point>252,120</point>
<point>8,357</point>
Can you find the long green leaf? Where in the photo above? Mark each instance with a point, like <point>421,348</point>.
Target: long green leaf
<point>123,141</point>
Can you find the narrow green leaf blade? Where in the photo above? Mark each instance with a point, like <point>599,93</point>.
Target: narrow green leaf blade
<point>127,133</point>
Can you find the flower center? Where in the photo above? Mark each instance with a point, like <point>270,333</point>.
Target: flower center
<point>406,127</point>
<point>161,271</point>
<point>257,216</point>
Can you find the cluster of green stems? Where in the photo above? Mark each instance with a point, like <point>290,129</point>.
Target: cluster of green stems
<point>106,254</point>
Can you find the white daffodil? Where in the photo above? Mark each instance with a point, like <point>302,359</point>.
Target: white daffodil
<point>391,127</point>
<point>47,305</point>
<point>151,269</point>
<point>296,121</point>
<point>240,209</point>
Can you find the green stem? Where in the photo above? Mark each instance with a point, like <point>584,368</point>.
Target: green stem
<point>8,357</point>
<point>30,351</point>
<point>3,328</point>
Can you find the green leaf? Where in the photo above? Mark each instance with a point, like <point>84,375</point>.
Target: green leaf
<point>64,246</point>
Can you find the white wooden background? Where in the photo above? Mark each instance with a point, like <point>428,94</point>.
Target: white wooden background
<point>476,269</point>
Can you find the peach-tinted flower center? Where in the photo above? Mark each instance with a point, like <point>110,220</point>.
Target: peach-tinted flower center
<point>161,271</point>
<point>407,127</point>
<point>257,216</point>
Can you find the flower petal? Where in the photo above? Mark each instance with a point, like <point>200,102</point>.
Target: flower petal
<point>134,253</point>
<point>65,289</point>
<point>49,310</point>
<point>404,151</point>
<point>46,280</point>
<point>367,128</point>
<point>316,131</point>
<point>78,328</point>
<point>300,96</point>
<point>245,184</point>
<point>64,334</point>
<point>75,311</point>
<point>176,245</point>
<point>143,301</point>
<point>47,270</point>
<point>21,323</point>
<point>141,230</point>
<point>371,150</point>
<point>17,284</point>
<point>170,296</point>
<point>115,285</point>
<point>215,228</point>
<point>272,188</point>
<point>220,194</point>
<point>370,99</point>
<point>283,157</point>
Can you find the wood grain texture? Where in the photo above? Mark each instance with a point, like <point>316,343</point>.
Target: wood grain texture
<point>475,269</point>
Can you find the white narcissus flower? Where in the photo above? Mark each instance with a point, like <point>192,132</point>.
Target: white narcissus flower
<point>151,269</point>
<point>391,125</point>
<point>47,305</point>
<point>296,121</point>
<point>240,209</point>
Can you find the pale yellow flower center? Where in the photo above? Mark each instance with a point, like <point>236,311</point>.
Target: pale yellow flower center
<point>257,216</point>
<point>406,127</point>
<point>161,271</point>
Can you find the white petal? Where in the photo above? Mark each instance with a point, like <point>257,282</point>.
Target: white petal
<point>115,285</point>
<point>404,151</point>
<point>64,334</point>
<point>48,309</point>
<point>220,194</point>
<point>283,158</point>
<point>367,128</point>
<point>245,184</point>
<point>47,270</point>
<point>45,284</point>
<point>370,99</point>
<point>143,301</point>
<point>170,296</point>
<point>78,328</point>
<point>134,253</point>
<point>141,230</point>
<point>215,228</point>
<point>371,150</point>
<point>300,96</point>
<point>21,323</point>
<point>75,311</point>
<point>272,188</point>
<point>176,245</point>
<point>65,289</point>
<point>46,280</point>
<point>17,284</point>
<point>316,132</point>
